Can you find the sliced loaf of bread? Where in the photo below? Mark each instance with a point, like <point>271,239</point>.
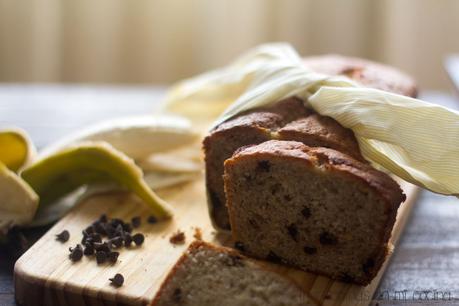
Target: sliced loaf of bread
<point>290,120</point>
<point>313,208</point>
<point>209,275</point>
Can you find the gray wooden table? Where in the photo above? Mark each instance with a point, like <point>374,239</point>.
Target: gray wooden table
<point>423,271</point>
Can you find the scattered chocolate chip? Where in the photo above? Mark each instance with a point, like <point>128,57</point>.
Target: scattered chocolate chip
<point>127,227</point>
<point>368,265</point>
<point>177,295</point>
<point>117,280</point>
<point>310,250</point>
<point>239,245</point>
<point>63,236</point>
<point>327,238</point>
<point>152,220</point>
<point>116,242</point>
<point>306,212</point>
<point>138,239</point>
<point>89,230</point>
<point>264,165</point>
<point>293,231</point>
<point>136,222</point>
<point>99,228</point>
<point>273,257</point>
<point>103,218</point>
<point>127,240</point>
<point>102,246</point>
<point>101,257</point>
<point>288,197</point>
<point>88,250</point>
<point>96,237</point>
<point>76,253</point>
<point>177,238</point>
<point>113,257</point>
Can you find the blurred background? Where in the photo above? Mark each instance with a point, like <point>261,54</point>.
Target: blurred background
<point>161,41</point>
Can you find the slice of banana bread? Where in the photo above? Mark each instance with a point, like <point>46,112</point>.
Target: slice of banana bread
<point>208,275</point>
<point>313,208</point>
<point>290,120</point>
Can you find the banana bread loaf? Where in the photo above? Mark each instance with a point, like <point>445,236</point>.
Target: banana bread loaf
<point>208,275</point>
<point>290,120</point>
<point>313,208</point>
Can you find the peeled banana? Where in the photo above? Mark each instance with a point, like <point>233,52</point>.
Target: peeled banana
<point>16,149</point>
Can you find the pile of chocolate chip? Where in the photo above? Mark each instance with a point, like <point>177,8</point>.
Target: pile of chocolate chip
<point>103,237</point>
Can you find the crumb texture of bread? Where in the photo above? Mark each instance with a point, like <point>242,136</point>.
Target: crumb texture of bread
<point>312,208</point>
<point>208,275</point>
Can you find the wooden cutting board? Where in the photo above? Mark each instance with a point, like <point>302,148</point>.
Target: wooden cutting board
<point>44,275</point>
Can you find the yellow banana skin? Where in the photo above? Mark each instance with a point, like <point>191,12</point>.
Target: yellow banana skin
<point>68,169</point>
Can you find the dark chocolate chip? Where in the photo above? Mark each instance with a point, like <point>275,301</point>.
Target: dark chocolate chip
<point>273,257</point>
<point>368,265</point>
<point>293,231</point>
<point>88,250</point>
<point>101,257</point>
<point>117,280</point>
<point>177,295</point>
<point>136,222</point>
<point>310,250</point>
<point>138,238</point>
<point>306,212</point>
<point>264,165</point>
<point>127,227</point>
<point>239,245</point>
<point>116,242</point>
<point>96,237</point>
<point>327,238</point>
<point>103,218</point>
<point>113,257</point>
<point>288,197</point>
<point>76,253</point>
<point>63,236</point>
<point>127,240</point>
<point>102,246</point>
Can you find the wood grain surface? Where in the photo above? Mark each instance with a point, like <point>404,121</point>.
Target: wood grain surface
<point>44,275</point>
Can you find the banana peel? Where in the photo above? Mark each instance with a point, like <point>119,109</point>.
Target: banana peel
<point>18,202</point>
<point>16,148</point>
<point>135,136</point>
<point>64,171</point>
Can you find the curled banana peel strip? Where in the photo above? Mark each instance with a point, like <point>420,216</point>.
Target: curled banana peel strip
<point>85,163</point>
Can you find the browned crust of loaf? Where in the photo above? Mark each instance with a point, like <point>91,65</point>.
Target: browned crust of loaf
<point>200,244</point>
<point>341,164</point>
<point>365,72</point>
